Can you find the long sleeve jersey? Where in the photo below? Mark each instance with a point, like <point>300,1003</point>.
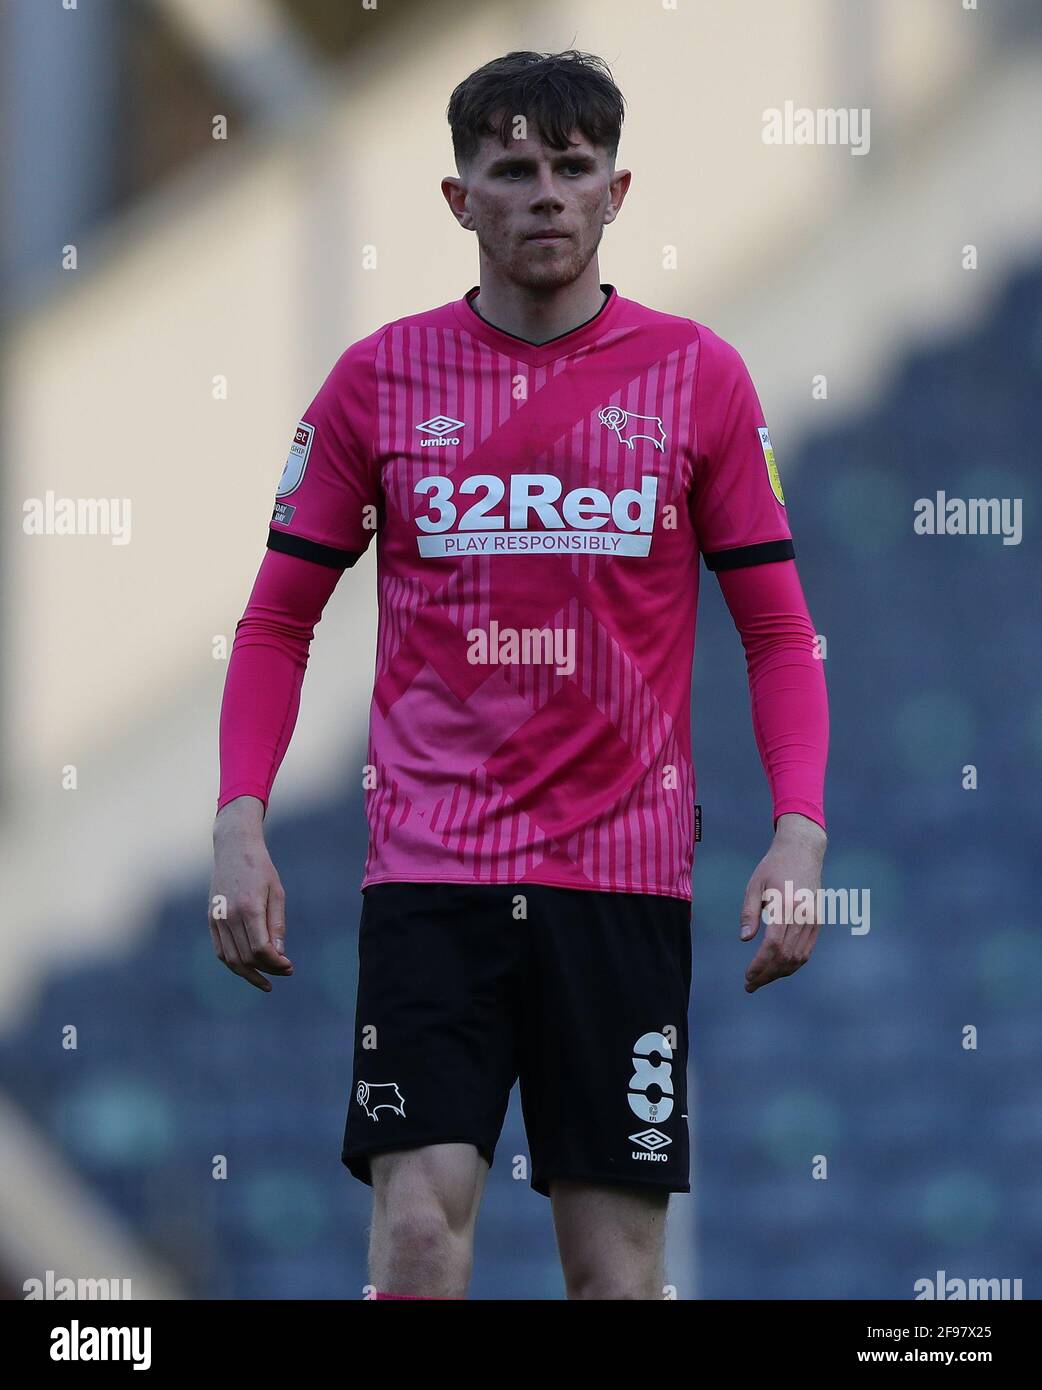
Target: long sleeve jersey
<point>539,514</point>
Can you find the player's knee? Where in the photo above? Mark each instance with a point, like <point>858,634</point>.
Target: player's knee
<point>418,1233</point>
<point>632,1270</point>
<point>634,1282</point>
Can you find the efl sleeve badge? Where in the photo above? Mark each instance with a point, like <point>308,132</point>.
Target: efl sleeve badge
<point>772,467</point>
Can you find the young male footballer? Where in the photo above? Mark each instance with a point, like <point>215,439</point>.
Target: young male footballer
<point>541,462</point>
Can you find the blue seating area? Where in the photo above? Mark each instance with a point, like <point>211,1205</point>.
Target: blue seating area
<point>933,1151</point>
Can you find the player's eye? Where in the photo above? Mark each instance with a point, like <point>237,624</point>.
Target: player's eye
<point>514,172</point>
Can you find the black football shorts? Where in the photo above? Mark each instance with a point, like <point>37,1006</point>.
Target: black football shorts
<point>463,989</point>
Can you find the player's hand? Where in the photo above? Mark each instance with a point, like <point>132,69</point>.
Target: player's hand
<point>795,858</point>
<point>247,909</point>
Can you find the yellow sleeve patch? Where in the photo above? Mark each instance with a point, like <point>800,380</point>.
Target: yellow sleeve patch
<point>772,467</point>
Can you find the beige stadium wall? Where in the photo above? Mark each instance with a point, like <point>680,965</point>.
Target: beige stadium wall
<point>251,268</point>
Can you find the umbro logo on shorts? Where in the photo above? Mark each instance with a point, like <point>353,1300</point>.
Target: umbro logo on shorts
<point>441,427</point>
<point>650,1141</point>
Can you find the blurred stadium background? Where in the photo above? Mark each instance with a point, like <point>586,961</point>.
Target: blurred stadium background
<point>215,282</point>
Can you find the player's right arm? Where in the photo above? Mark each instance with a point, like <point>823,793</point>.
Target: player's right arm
<point>258,713</point>
<point>247,912</point>
<point>325,514</point>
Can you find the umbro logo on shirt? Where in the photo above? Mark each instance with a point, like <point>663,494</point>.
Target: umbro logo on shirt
<point>441,427</point>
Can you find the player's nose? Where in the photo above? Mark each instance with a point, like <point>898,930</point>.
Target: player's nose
<point>545,194</point>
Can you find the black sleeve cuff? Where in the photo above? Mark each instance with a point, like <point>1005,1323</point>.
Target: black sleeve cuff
<point>744,555</point>
<point>304,549</point>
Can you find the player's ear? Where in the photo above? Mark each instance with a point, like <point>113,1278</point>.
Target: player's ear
<point>618,187</point>
<point>455,193</point>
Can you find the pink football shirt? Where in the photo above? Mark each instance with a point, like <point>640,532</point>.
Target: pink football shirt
<point>539,512</point>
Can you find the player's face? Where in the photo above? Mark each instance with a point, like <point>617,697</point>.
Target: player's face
<point>512,195</point>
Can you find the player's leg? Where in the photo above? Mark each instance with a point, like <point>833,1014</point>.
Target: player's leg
<point>434,1061</point>
<point>612,1240</point>
<point>425,1204</point>
<point>604,1078</point>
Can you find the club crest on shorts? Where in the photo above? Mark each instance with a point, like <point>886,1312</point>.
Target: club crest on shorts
<point>383,1095</point>
<point>293,473</point>
<point>772,466</point>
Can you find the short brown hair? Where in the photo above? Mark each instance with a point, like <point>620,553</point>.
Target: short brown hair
<point>557,92</point>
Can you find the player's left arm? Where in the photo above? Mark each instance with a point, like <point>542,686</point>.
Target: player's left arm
<point>790,721</point>
<point>741,522</point>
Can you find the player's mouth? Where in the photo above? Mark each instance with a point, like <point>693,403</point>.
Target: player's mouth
<point>548,236</point>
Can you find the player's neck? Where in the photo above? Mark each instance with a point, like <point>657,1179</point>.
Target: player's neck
<point>538,317</point>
